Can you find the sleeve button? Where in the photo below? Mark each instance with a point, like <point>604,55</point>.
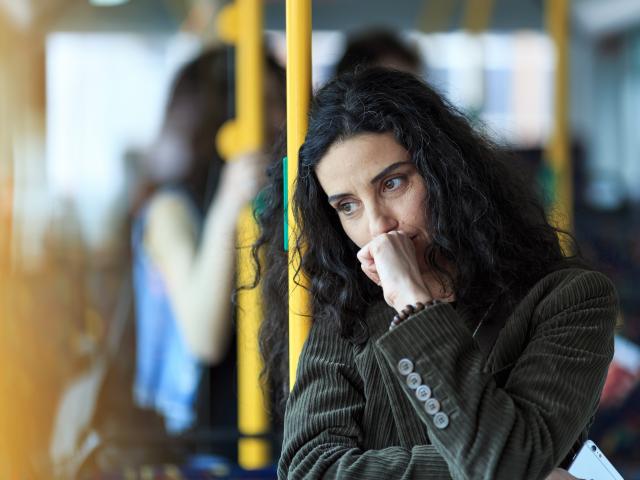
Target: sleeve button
<point>441,420</point>
<point>423,393</point>
<point>405,366</point>
<point>432,406</point>
<point>414,380</point>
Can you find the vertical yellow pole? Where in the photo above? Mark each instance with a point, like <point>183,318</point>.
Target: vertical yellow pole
<point>436,15</point>
<point>298,97</point>
<point>249,75</point>
<point>241,23</point>
<point>477,15</point>
<point>253,416</point>
<point>558,156</point>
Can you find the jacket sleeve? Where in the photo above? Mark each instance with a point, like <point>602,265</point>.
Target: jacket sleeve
<point>322,423</point>
<point>524,429</point>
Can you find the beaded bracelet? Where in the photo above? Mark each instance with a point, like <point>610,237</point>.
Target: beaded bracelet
<point>409,310</point>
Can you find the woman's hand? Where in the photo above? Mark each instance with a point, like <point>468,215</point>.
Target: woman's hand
<point>560,474</point>
<point>390,261</point>
<point>242,178</point>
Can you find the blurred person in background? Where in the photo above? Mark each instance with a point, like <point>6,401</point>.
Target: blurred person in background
<point>184,249</point>
<point>379,47</point>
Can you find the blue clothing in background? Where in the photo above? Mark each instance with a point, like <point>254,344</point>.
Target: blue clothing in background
<point>167,374</point>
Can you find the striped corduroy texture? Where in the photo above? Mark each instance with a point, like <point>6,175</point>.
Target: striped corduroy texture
<point>514,414</point>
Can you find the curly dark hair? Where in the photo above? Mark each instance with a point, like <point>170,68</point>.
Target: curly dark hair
<point>482,217</point>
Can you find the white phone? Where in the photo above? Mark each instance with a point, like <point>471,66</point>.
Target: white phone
<point>591,464</point>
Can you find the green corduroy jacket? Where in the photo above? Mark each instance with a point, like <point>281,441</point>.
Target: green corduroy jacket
<point>510,407</point>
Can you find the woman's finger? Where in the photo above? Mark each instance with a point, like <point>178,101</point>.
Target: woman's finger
<point>371,273</point>
<point>364,254</point>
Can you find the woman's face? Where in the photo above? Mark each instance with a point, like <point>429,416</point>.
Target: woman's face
<point>374,187</point>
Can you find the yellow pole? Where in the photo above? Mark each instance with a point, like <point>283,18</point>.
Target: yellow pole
<point>253,416</point>
<point>241,23</point>
<point>477,15</point>
<point>557,13</point>
<point>298,97</point>
<point>436,15</point>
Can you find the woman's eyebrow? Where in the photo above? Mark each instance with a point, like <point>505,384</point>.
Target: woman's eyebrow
<point>338,196</point>
<point>388,169</point>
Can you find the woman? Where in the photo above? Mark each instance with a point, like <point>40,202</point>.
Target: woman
<point>184,248</point>
<point>451,336</point>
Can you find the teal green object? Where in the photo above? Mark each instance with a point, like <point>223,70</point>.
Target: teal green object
<point>547,182</point>
<point>259,203</point>
<point>285,202</point>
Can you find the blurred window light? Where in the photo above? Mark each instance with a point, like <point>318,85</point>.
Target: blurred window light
<point>599,18</point>
<point>502,80</point>
<point>107,3</point>
<point>612,137</point>
<point>105,97</point>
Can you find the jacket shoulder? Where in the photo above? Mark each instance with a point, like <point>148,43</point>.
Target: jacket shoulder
<point>571,287</point>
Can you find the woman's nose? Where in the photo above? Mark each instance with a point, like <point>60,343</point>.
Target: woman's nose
<point>381,221</point>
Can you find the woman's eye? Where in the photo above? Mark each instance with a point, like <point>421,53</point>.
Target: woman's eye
<point>346,208</point>
<point>392,183</point>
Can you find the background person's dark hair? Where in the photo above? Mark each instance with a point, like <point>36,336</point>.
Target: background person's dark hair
<point>378,47</point>
<point>199,104</point>
<point>482,218</point>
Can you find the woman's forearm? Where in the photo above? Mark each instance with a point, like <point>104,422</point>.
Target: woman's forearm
<point>204,301</point>
<point>198,276</point>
